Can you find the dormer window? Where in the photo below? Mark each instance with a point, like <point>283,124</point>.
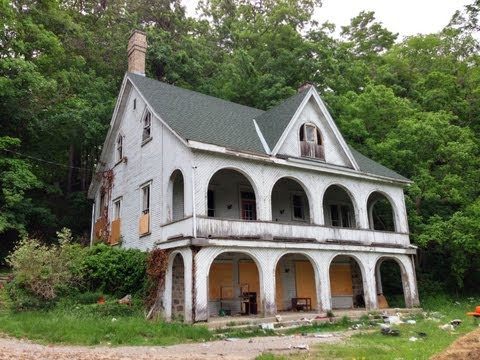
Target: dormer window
<point>119,147</point>
<point>311,142</point>
<point>147,125</point>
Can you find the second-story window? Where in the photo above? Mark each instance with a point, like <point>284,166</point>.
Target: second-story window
<point>147,126</point>
<point>298,207</point>
<point>119,147</point>
<point>341,215</point>
<point>311,142</point>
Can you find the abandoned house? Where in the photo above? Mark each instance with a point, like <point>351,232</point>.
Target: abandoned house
<point>259,211</point>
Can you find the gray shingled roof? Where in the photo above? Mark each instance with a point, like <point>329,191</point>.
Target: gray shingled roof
<point>199,117</point>
<point>273,122</point>
<point>369,166</point>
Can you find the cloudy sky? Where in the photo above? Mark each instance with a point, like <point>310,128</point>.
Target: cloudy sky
<point>407,17</point>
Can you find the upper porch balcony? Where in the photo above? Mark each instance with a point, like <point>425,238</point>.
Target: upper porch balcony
<point>232,209</point>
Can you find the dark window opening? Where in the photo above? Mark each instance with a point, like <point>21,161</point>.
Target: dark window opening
<point>298,208</point>
<point>210,203</point>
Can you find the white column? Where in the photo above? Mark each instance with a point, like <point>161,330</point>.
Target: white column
<point>324,298</point>
<point>266,259</point>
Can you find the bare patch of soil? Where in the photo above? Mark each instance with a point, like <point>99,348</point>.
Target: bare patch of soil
<point>235,349</point>
<point>466,347</point>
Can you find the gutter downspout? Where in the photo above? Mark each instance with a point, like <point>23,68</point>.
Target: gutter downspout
<point>194,212</point>
<point>92,224</point>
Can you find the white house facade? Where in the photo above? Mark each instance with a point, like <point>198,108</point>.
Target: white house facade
<point>259,211</point>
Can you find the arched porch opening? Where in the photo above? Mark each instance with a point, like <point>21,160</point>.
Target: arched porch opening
<point>178,289</point>
<point>230,195</point>
<point>346,283</point>
<point>233,285</point>
<point>380,212</point>
<point>391,282</point>
<point>295,284</point>
<point>338,208</point>
<point>176,196</point>
<point>290,202</point>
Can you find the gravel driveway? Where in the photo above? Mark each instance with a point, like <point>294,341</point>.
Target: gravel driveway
<point>235,349</point>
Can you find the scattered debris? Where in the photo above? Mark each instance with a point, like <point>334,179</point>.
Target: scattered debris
<point>232,339</point>
<point>388,331</point>
<point>356,326</point>
<point>456,322</point>
<point>301,347</point>
<point>393,320</point>
<point>413,338</point>
<point>267,326</point>
<point>305,319</point>
<point>322,336</point>
<point>411,322</point>
<point>278,318</point>
<point>422,334</point>
<point>447,327</point>
<point>127,300</point>
<point>114,319</point>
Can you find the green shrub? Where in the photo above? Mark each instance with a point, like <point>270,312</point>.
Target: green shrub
<point>114,270</point>
<point>18,298</point>
<point>42,271</point>
<point>107,309</point>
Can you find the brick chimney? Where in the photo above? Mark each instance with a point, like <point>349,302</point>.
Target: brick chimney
<point>137,48</point>
<point>306,85</point>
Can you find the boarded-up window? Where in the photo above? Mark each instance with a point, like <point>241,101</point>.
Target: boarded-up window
<point>341,280</point>
<point>221,274</point>
<point>305,281</point>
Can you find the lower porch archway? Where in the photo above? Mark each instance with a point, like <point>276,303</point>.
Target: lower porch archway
<point>391,283</point>
<point>295,284</point>
<point>346,283</point>
<point>233,285</point>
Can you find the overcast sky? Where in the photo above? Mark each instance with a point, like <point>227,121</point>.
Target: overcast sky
<point>406,17</point>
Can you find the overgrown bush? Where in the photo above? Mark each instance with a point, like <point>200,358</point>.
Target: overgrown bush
<point>113,270</point>
<point>41,272</point>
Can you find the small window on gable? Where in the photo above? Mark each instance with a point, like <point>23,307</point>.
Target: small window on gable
<point>311,142</point>
<point>147,125</point>
<point>134,104</point>
<point>119,147</point>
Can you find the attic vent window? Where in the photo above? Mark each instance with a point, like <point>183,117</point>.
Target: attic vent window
<point>147,126</point>
<point>311,142</point>
<point>134,104</point>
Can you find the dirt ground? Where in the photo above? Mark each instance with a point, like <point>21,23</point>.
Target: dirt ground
<point>238,349</point>
<point>466,347</point>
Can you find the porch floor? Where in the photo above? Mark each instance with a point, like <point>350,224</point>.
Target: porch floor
<point>300,317</point>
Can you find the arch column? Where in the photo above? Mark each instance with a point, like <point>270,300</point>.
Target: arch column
<point>266,271</point>
<point>369,284</point>
<point>324,298</point>
<point>363,216</point>
<point>186,255</point>
<point>202,261</point>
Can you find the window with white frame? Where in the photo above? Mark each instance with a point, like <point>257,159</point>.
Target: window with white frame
<point>117,207</point>
<point>298,207</point>
<point>147,126</point>
<point>119,147</point>
<point>145,199</point>
<point>341,215</point>
<point>311,142</point>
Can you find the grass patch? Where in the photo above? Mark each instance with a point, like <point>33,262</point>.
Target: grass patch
<point>94,324</point>
<point>371,344</point>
